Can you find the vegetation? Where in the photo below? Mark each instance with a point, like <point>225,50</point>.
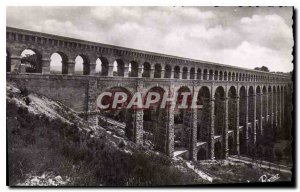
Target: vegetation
<point>39,144</point>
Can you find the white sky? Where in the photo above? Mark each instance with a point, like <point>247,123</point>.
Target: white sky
<point>245,37</point>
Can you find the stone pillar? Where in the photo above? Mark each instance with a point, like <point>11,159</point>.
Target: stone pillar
<point>272,114</point>
<point>225,133</point>
<point>71,67</point>
<point>138,129</point>
<point>212,130</point>
<point>188,74</point>
<point>138,119</point>
<point>180,73</point>
<point>92,68</point>
<point>279,110</point>
<point>46,66</point>
<point>267,107</point>
<point>193,150</point>
<point>201,75</point>
<point>126,69</point>
<point>276,106</point>
<point>237,131</point>
<point>254,119</point>
<point>170,129</point>
<point>162,72</point>
<point>15,63</point>
<point>152,70</point>
<point>172,73</point>
<point>282,108</point>
<point>110,70</point>
<point>140,71</point>
<point>91,103</point>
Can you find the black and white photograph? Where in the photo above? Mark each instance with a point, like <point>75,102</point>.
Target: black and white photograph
<point>150,96</point>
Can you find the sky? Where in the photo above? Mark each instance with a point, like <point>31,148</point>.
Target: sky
<point>239,36</point>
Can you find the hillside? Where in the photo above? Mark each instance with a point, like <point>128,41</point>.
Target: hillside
<point>48,144</point>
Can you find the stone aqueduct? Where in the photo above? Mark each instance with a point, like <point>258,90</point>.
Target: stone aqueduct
<point>237,102</point>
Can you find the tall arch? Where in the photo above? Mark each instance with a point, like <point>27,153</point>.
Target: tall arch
<point>154,121</point>
<point>258,110</point>
<point>251,110</point>
<point>243,119</point>
<point>203,125</point>
<point>219,110</point>
<point>157,70</point>
<point>232,108</point>
<point>182,119</point>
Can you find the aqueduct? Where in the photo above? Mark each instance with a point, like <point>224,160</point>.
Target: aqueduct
<point>236,102</point>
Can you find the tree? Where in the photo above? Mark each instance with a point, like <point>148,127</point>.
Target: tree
<point>34,62</point>
<point>263,68</point>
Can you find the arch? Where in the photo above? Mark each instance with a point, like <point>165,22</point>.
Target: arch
<point>121,113</point>
<point>168,71</point>
<point>176,72</point>
<point>211,74</point>
<point>229,76</point>
<point>82,65</point>
<point>181,119</point>
<point>219,110</point>
<point>225,76</point>
<point>251,108</point>
<point>199,73</point>
<point>119,68</point>
<point>232,108</point>
<point>205,74</point>
<point>102,66</point>
<point>133,69</point>
<point>146,69</point>
<point>157,70</point>
<point>192,73</point>
<point>216,75</point>
<point>264,105</point>
<point>242,104</point>
<point>184,72</point>
<point>31,61</point>
<point>258,110</point>
<point>201,155</point>
<point>218,150</point>
<point>180,96</point>
<point>203,126</point>
<point>233,76</point>
<point>59,63</point>
<point>221,76</point>
<point>153,123</point>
